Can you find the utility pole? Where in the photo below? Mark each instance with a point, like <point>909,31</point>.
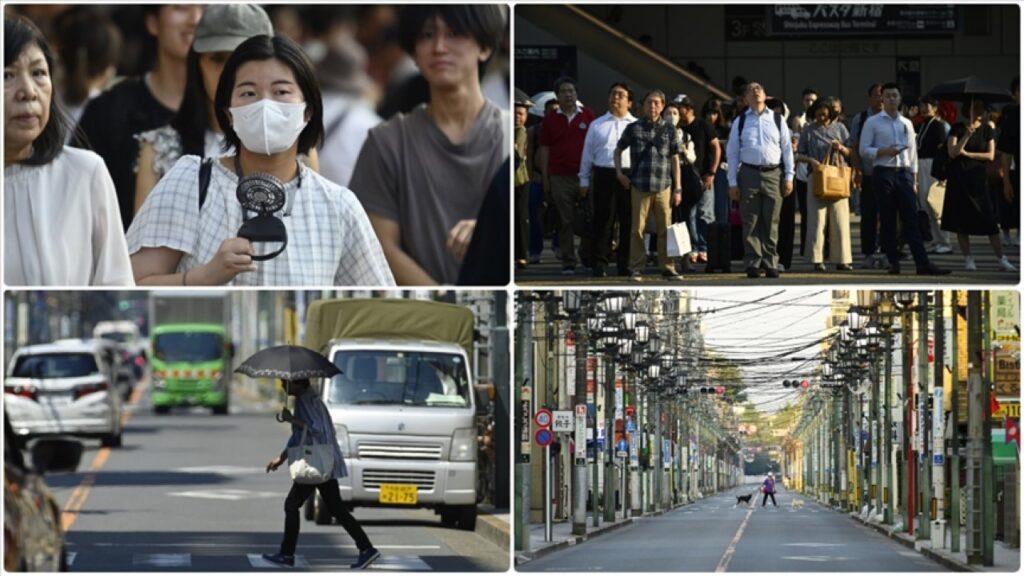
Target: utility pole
<point>988,523</point>
<point>609,436</point>
<point>923,418</point>
<point>524,379</point>
<point>907,455</point>
<point>975,431</point>
<point>579,478</point>
<point>938,420</point>
<point>954,442</point>
<point>887,491</point>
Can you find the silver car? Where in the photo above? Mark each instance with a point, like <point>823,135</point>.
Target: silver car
<point>64,388</point>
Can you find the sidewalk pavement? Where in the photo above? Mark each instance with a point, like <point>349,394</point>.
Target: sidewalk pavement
<point>493,524</point>
<point>562,536</point>
<point>1005,558</point>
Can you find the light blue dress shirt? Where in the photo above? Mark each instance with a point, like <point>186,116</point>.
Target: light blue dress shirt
<point>761,144</point>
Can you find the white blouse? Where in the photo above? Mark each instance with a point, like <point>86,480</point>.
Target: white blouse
<point>62,226</point>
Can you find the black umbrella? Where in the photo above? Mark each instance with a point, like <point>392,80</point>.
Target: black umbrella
<point>288,363</point>
<point>965,89</point>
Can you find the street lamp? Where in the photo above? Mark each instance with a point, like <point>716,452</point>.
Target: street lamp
<point>643,333</point>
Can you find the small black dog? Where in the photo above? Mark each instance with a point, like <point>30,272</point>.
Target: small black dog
<point>745,498</point>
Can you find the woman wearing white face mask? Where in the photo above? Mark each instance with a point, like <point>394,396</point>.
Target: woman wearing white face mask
<point>268,103</point>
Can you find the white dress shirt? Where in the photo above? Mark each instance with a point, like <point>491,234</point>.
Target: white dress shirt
<point>599,145</point>
<point>884,131</point>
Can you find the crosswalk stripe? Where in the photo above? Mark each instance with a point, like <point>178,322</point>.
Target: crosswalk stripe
<point>257,561</point>
<point>163,560</point>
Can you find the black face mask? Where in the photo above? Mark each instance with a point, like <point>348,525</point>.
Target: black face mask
<point>263,194</point>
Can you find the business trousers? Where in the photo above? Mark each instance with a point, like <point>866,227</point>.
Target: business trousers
<point>836,213</point>
<point>868,215</point>
<point>565,190</point>
<point>894,190</point>
<point>760,207</point>
<point>612,203</point>
<point>642,203</point>
<point>332,499</point>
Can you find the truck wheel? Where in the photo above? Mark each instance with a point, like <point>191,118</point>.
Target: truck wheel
<point>161,409</point>
<point>466,517</point>
<point>322,515</point>
<point>448,518</point>
<point>111,440</point>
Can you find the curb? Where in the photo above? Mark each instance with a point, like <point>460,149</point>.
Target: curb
<point>524,557</point>
<point>494,530</point>
<point>926,551</point>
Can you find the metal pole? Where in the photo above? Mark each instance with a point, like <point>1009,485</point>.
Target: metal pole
<point>609,437</point>
<point>548,531</point>
<point>579,478</point>
<point>887,492</point>
<point>954,443</point>
<point>658,469</point>
<point>592,377</point>
<point>988,516</point>
<point>975,424</point>
<point>938,417</point>
<point>907,456</point>
<point>524,365</point>
<point>924,419</point>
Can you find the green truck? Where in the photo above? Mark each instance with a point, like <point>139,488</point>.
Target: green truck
<point>190,350</point>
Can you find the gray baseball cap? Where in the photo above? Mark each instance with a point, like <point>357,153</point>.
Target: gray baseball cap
<point>225,26</point>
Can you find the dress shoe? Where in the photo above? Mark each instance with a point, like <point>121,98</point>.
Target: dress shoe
<point>671,275</point>
<point>845,267</point>
<point>753,272</point>
<point>600,272</point>
<point>771,273</point>
<point>930,269</point>
<point>820,268</point>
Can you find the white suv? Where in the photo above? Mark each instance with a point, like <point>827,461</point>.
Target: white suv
<point>63,388</point>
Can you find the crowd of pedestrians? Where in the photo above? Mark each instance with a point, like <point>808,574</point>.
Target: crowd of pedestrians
<point>237,145</point>
<point>604,189</point>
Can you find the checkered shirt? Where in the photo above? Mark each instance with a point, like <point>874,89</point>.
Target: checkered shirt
<point>651,148</point>
<point>330,239</point>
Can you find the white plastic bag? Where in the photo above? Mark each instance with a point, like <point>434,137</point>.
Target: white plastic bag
<point>310,463</point>
<point>678,240</point>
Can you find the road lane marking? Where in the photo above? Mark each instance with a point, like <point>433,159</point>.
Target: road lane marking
<point>70,558</point>
<point>163,560</point>
<point>81,492</point>
<point>257,561</point>
<point>223,494</point>
<point>724,562</point>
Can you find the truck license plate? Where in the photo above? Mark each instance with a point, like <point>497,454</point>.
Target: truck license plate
<point>397,494</point>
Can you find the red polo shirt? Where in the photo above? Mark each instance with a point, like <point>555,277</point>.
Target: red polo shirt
<point>564,139</point>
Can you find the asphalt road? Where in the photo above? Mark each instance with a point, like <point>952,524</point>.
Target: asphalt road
<point>714,535</point>
<point>188,492</point>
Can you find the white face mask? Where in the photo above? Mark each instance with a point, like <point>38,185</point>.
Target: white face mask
<point>268,127</point>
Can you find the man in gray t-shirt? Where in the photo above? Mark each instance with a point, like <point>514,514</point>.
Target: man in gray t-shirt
<point>408,172</point>
<point>422,177</point>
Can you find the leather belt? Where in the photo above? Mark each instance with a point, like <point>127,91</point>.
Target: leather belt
<point>767,168</point>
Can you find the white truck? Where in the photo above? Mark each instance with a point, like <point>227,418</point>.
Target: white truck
<point>403,406</point>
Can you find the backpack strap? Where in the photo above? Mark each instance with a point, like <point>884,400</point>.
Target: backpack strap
<point>743,121</point>
<point>204,179</point>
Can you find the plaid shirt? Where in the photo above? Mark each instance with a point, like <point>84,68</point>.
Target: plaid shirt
<point>330,239</point>
<point>651,148</point>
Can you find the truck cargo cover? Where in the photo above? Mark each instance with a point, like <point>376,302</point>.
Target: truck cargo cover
<point>392,319</point>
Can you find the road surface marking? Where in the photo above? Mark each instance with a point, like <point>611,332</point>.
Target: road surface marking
<point>225,470</point>
<point>257,561</point>
<point>724,562</point>
<point>814,544</point>
<point>70,556</point>
<point>78,497</point>
<point>163,560</point>
<point>816,558</point>
<point>232,495</point>
<point>244,545</point>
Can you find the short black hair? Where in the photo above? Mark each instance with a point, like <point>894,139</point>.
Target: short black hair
<point>191,120</point>
<point>890,86</point>
<point>484,22</point>
<point>624,86</point>
<point>809,90</point>
<point>263,47</point>
<point>19,33</point>
<point>563,80</point>
<point>873,86</point>
<point>826,103</point>
<point>930,100</point>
